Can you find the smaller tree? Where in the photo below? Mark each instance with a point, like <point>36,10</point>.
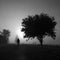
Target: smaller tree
<point>4,36</point>
<point>6,33</point>
<point>39,26</point>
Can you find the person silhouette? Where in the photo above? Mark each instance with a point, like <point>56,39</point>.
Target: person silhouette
<point>17,40</point>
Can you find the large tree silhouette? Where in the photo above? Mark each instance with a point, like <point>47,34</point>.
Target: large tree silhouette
<point>39,26</point>
<point>4,36</point>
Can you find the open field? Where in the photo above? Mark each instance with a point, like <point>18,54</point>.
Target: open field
<point>29,52</point>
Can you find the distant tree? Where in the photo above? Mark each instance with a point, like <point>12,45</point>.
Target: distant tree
<point>4,36</point>
<point>39,26</point>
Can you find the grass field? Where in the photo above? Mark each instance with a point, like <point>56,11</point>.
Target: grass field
<point>29,52</point>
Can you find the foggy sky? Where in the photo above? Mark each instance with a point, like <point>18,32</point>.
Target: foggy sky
<point>13,11</point>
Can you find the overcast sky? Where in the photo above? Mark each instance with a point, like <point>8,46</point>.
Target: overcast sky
<point>13,11</point>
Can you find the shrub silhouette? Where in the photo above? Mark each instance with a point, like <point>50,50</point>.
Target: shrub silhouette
<point>4,36</point>
<point>39,26</point>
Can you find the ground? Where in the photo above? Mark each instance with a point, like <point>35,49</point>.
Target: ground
<point>29,52</point>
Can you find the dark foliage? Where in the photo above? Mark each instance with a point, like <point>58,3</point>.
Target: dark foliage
<point>4,36</point>
<point>39,26</point>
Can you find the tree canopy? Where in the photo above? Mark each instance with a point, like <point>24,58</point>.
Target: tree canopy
<point>4,36</point>
<point>39,26</point>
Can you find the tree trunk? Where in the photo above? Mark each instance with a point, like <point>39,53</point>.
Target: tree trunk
<point>41,41</point>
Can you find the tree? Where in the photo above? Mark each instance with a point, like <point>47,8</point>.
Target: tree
<point>4,36</point>
<point>6,33</point>
<point>39,26</point>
